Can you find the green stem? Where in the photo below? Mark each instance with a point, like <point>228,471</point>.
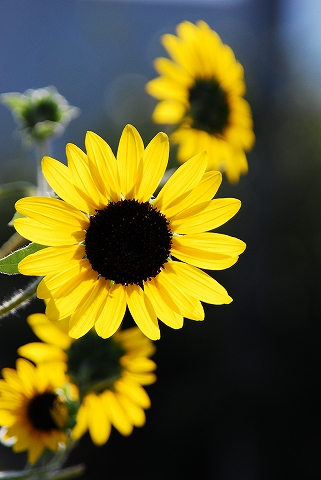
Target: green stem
<point>43,187</point>
<point>45,474</point>
<point>20,299</point>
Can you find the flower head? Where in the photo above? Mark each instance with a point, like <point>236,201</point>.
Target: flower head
<point>111,244</point>
<point>201,92</point>
<point>35,405</point>
<point>108,373</point>
<point>40,113</point>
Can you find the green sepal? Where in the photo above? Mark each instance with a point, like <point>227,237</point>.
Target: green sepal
<point>9,264</point>
<point>16,215</point>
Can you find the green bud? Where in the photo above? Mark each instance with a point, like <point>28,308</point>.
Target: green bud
<point>39,113</point>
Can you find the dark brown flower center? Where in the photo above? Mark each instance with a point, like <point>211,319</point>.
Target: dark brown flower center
<point>39,411</point>
<point>128,242</point>
<point>209,109</point>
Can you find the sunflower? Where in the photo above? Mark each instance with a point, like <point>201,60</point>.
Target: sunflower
<point>111,244</point>
<point>34,407</point>
<point>201,92</point>
<point>109,373</point>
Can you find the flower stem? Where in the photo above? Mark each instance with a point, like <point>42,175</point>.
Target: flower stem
<point>19,299</point>
<point>44,474</point>
<point>43,186</point>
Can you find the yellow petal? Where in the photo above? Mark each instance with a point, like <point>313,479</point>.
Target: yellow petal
<point>135,413</point>
<point>202,193</point>
<point>60,308</point>
<point>59,178</point>
<point>81,426</point>
<point>82,177</point>
<point>179,52</point>
<point>211,242</point>
<point>129,154</point>
<point>203,259</point>
<point>51,260</point>
<point>50,332</point>
<point>142,378</point>
<point>164,88</point>
<point>183,303</point>
<point>140,365</point>
<point>98,425</point>
<point>52,212</point>
<point>163,311</point>
<point>170,69</point>
<point>101,155</point>
<point>35,451</point>
<point>42,352</point>
<point>112,313</point>
<point>197,283</point>
<point>51,236</point>
<point>184,179</point>
<point>64,283</point>
<point>218,212</point>
<point>155,161</point>
<point>168,111</point>
<point>116,414</point>
<point>133,391</point>
<point>83,319</point>
<point>142,312</point>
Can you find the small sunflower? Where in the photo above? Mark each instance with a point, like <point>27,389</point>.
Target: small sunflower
<point>111,244</point>
<point>34,407</point>
<point>201,92</point>
<point>109,373</point>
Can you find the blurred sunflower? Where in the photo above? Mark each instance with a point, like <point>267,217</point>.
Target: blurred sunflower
<point>201,92</point>
<point>120,251</point>
<point>109,374</point>
<point>34,407</point>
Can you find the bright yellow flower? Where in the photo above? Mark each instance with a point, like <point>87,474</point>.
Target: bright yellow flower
<point>33,407</point>
<point>112,245</point>
<point>201,92</point>
<point>109,373</point>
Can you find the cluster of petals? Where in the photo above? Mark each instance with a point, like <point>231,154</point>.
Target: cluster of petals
<point>72,288</point>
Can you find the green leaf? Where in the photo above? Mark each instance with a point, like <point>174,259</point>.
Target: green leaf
<point>9,264</point>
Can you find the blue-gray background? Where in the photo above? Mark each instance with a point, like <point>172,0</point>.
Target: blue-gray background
<point>238,395</point>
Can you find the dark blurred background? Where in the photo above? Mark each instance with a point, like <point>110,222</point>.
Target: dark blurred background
<point>238,395</point>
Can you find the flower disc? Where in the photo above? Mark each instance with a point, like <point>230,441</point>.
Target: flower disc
<point>128,242</point>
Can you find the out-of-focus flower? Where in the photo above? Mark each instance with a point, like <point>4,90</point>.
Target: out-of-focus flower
<point>40,113</point>
<point>109,374</point>
<point>201,92</point>
<point>120,251</point>
<point>36,407</point>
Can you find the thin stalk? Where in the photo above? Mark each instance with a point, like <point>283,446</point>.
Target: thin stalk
<point>44,150</point>
<point>19,299</point>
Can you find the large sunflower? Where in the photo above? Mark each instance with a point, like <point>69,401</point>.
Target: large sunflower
<point>201,92</point>
<point>33,409</point>
<point>109,374</point>
<point>112,244</point>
